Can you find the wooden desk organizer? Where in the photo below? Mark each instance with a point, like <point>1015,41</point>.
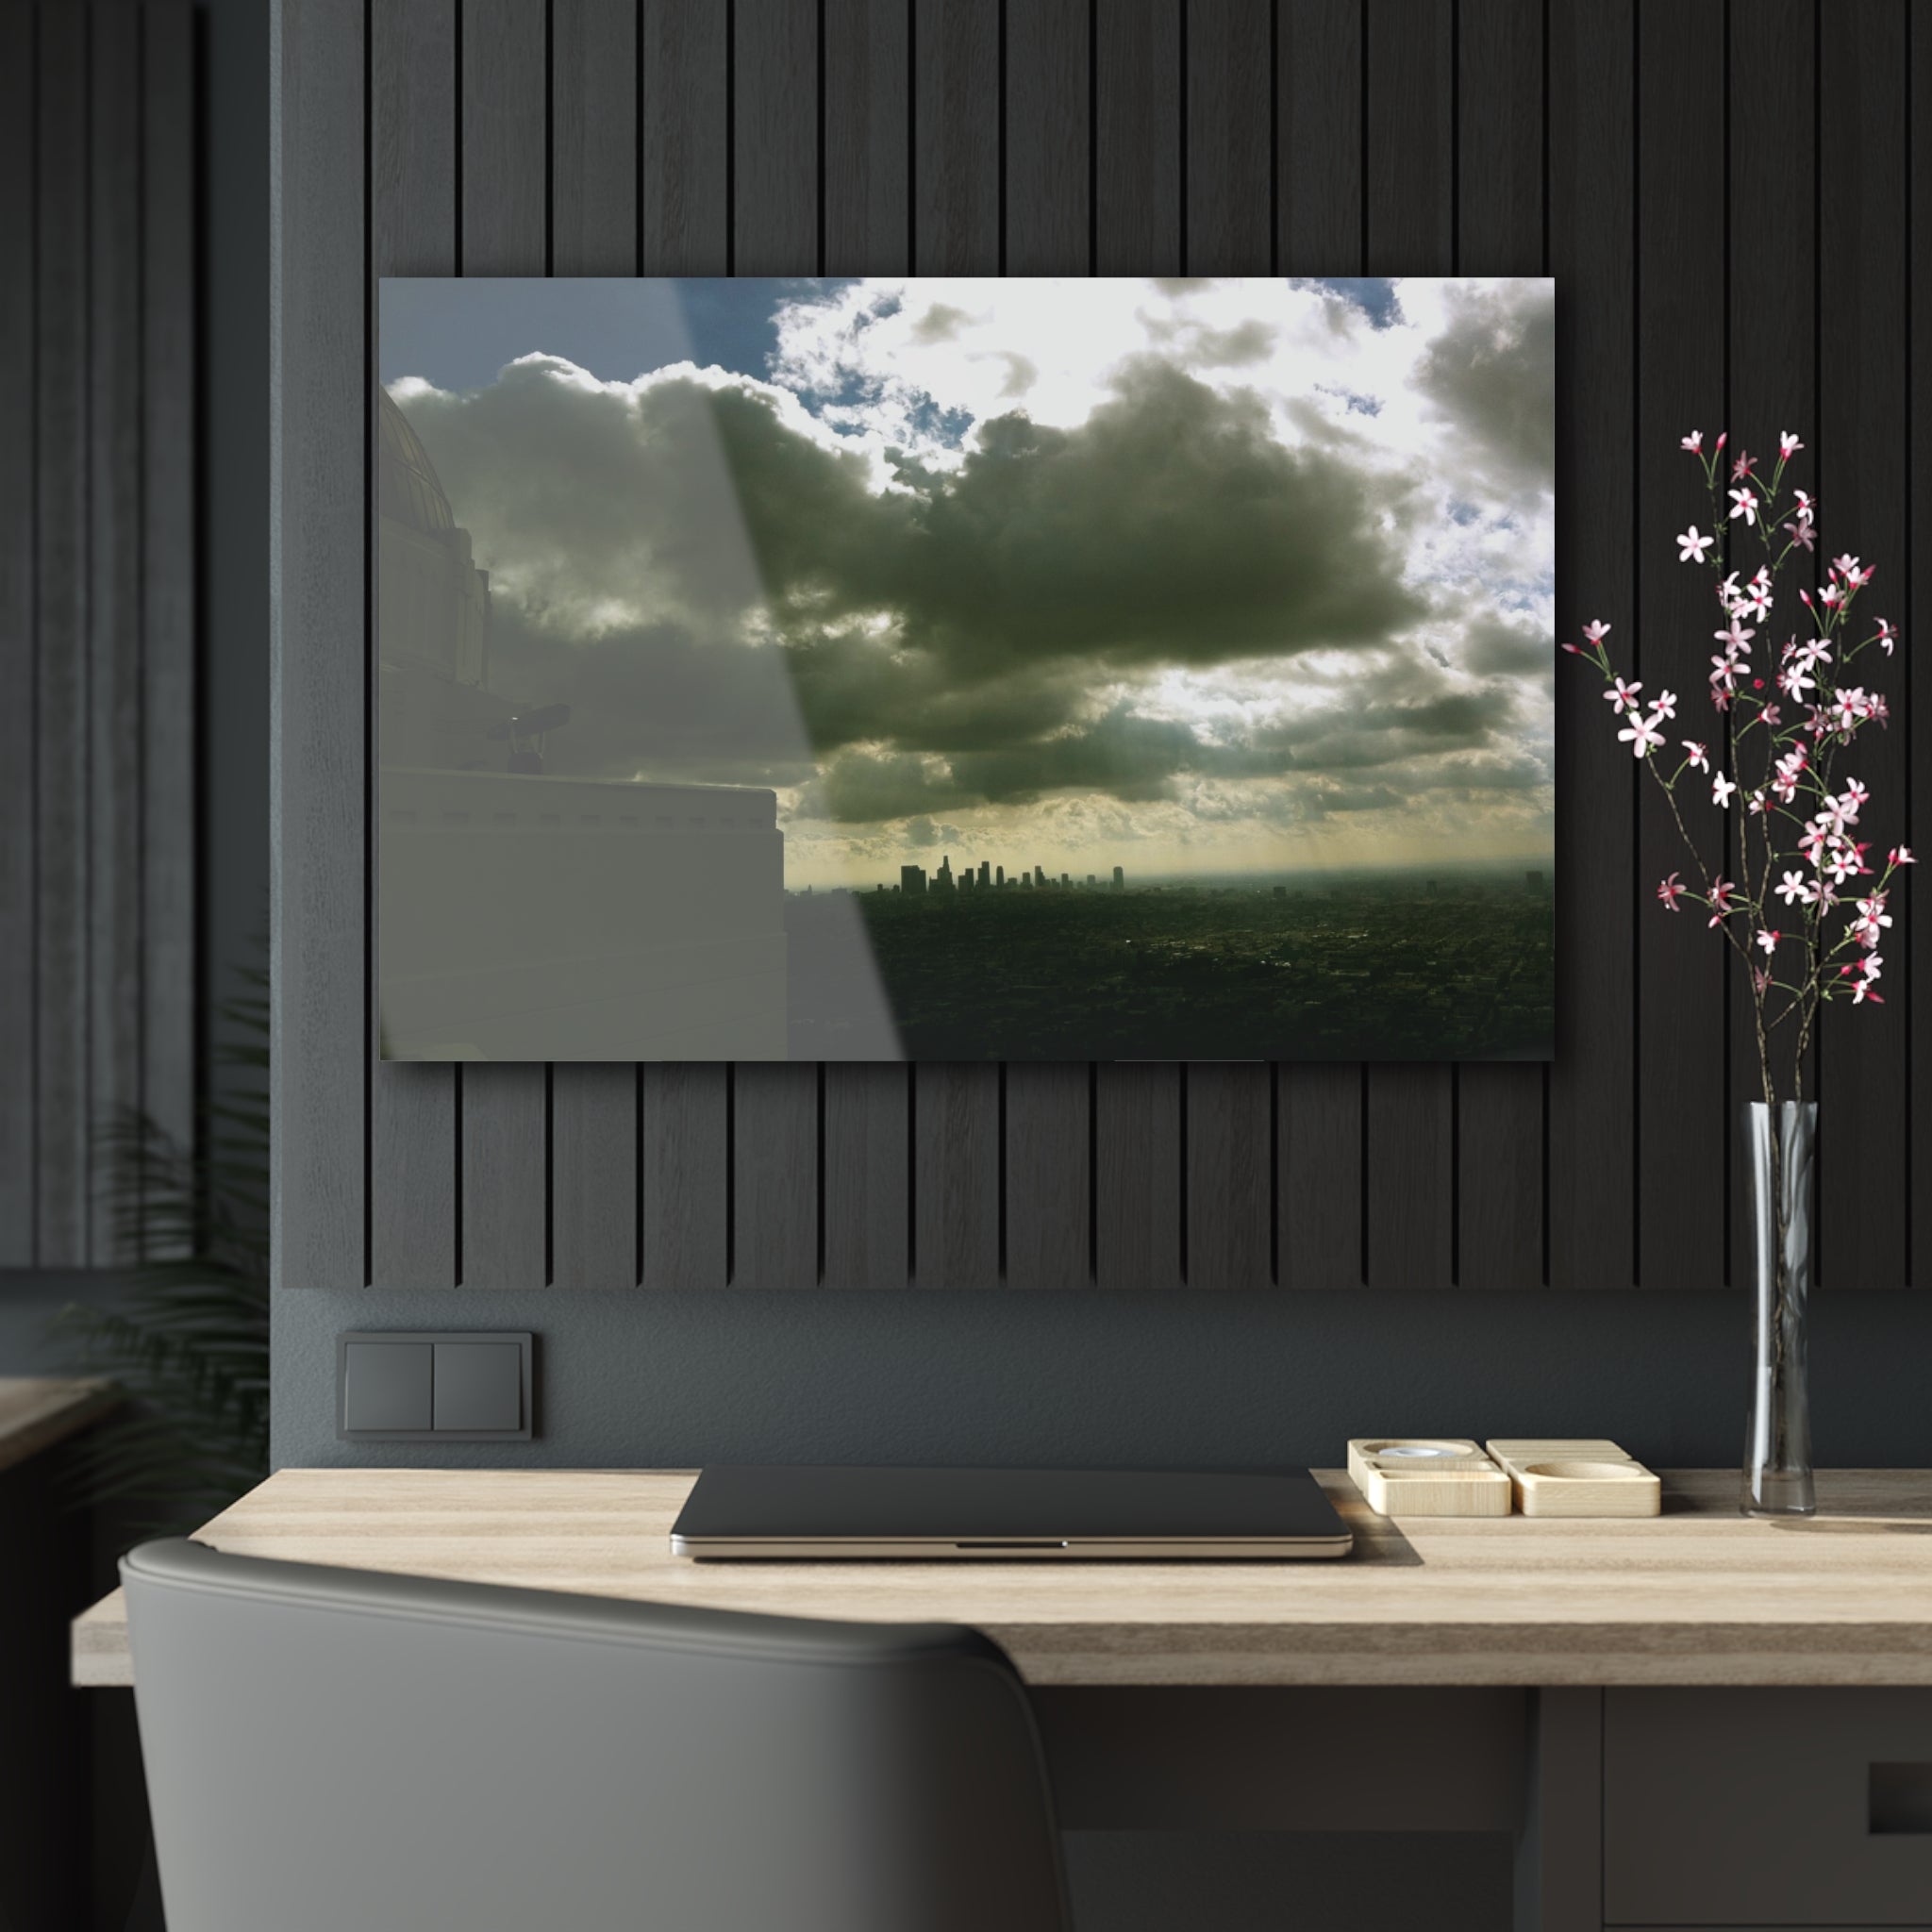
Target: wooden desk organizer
<point>1576,1475</point>
<point>1428,1475</point>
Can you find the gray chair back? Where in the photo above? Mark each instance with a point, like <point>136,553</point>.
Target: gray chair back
<point>329,1749</point>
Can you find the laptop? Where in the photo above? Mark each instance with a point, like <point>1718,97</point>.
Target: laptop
<point>823,1513</point>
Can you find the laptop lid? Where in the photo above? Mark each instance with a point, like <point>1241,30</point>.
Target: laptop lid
<point>827,1511</point>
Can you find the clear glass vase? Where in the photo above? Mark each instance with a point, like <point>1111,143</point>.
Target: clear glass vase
<point>1780,1146</point>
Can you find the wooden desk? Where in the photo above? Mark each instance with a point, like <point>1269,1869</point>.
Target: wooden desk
<point>1697,1597</point>
<point>37,1412</point>
<point>1471,1675</point>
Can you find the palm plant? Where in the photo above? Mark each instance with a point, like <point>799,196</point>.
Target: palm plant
<point>189,1339</point>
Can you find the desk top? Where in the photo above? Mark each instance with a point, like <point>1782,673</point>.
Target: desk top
<point>1697,1595</point>
<point>37,1410</point>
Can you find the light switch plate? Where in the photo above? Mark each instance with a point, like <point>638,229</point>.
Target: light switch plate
<point>465,1387</point>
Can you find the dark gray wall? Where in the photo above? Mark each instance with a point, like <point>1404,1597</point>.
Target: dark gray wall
<point>707,136</point>
<point>98,650</point>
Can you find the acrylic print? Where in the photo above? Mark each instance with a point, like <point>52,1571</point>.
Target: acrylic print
<point>855,669</point>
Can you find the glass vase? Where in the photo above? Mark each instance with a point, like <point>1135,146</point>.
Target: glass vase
<point>1780,1146</point>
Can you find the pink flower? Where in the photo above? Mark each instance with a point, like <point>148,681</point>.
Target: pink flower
<point>1887,636</point>
<point>1641,736</point>
<point>1693,442</point>
<point>1670,891</point>
<point>1807,505</point>
<point>1741,466</point>
<point>1622,696</point>
<point>1787,446</point>
<point>1666,706</point>
<point>1802,533</point>
<point>1723,435</point>
<point>1721,904</point>
<point>1846,564</point>
<point>1720,790</point>
<point>1900,855</point>
<point>1862,992</point>
<point>1698,755</point>
<point>1596,630</point>
<point>1691,547</point>
<point>1735,636</point>
<point>1795,886</point>
<point>1743,503</point>
<point>1769,941</point>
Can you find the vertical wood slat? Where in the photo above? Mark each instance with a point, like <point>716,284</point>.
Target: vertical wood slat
<point>1408,226</point>
<point>955,81</point>
<point>1772,385</point>
<point>413,1141</point>
<point>321,525</point>
<point>1047,145</point>
<point>955,1161</point>
<point>1862,469</point>
<point>955,132</point>
<point>1318,76</point>
<point>1137,192</point>
<point>18,373</point>
<point>593,136</point>
<point>60,911</point>
<point>683,1158</point>
<point>1229,194</point>
<point>1048,1178</point>
<point>775,71</point>
<point>1499,1109</point>
<point>1137,1176</point>
<point>1228,1177</point>
<point>686,163</point>
<point>113,849</point>
<point>504,1125</point>
<point>1049,1117</point>
<point>867,193</point>
<point>505,220</point>
<point>1593,167</point>
<point>1913,912</point>
<point>774,1200</point>
<point>867,1166</point>
<point>774,217</point>
<point>593,1176</point>
<point>866,214</point>
<point>168,401</point>
<point>686,1155</point>
<point>1680,347</point>
<point>1137,214</point>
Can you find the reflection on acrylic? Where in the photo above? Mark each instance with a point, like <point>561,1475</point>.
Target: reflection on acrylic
<point>930,669</point>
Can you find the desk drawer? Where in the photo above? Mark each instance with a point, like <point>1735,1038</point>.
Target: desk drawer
<point>1773,1807</point>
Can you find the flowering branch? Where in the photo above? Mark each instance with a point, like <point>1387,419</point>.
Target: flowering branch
<point>1784,728</point>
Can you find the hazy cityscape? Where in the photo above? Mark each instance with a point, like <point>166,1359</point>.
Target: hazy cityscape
<point>986,961</point>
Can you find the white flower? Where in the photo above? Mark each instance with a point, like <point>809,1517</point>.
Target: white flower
<point>1691,547</point>
<point>1794,887</point>
<point>1720,790</point>
<point>1697,755</point>
<point>1641,736</point>
<point>1743,503</point>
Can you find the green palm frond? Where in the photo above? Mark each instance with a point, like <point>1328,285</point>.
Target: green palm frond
<point>189,1338</point>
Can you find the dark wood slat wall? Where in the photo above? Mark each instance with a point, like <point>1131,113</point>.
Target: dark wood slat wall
<point>1112,137</point>
<point>98,895</point>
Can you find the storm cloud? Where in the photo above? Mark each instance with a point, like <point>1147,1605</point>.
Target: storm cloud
<point>1197,595</point>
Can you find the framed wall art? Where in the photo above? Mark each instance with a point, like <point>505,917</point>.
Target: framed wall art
<point>926,669</point>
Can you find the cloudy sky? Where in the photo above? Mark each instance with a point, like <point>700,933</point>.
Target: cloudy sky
<point>1182,575</point>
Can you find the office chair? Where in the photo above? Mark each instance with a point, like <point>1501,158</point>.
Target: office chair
<point>332,1749</point>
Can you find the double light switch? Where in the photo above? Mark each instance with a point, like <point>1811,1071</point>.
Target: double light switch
<point>457,1388</point>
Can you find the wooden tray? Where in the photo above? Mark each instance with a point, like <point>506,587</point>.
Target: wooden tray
<point>1428,1475</point>
<point>1576,1475</point>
